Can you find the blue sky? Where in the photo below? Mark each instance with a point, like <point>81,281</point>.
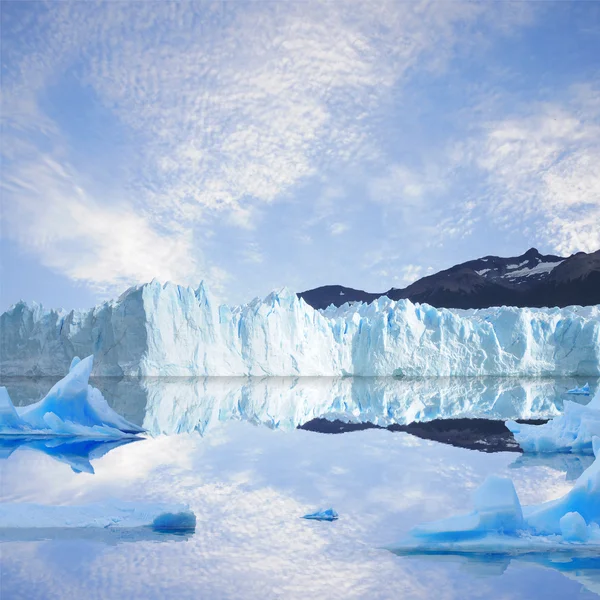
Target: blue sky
<point>263,144</point>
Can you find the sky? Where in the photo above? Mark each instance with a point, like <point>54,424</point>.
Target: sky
<point>256,145</point>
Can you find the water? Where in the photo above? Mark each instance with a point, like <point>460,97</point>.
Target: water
<point>249,475</point>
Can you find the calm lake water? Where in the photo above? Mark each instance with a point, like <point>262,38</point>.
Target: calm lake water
<point>230,449</point>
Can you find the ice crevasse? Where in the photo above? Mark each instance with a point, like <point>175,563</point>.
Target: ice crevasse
<point>156,330</point>
<point>71,408</point>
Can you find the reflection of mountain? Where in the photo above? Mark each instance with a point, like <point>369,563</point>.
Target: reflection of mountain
<point>76,452</point>
<point>485,435</point>
<point>179,404</point>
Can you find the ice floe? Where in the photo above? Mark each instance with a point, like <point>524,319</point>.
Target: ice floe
<point>323,515</point>
<point>499,525</point>
<point>582,391</point>
<point>112,514</point>
<point>573,431</point>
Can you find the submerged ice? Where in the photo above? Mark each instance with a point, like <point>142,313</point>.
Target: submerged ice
<point>167,329</point>
<point>573,431</point>
<point>71,408</point>
<point>499,525</point>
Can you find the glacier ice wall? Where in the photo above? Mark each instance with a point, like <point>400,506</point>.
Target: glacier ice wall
<point>161,330</point>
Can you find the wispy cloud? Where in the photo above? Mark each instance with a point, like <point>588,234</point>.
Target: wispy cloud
<point>106,247</point>
<point>227,108</point>
<point>542,168</point>
<point>338,228</point>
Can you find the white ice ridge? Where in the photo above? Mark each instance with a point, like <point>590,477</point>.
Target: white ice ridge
<point>71,408</point>
<point>573,431</point>
<point>158,330</point>
<point>499,525</point>
<point>113,514</point>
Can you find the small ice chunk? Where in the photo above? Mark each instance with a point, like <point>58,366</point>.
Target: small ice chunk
<point>323,515</point>
<point>582,391</point>
<point>573,528</point>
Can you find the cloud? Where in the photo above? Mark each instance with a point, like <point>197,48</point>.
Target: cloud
<point>402,187</point>
<point>106,247</point>
<point>228,108</point>
<point>542,167</point>
<point>338,228</point>
<point>253,254</point>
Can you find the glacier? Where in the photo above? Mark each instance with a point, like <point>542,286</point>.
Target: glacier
<point>500,525</point>
<point>71,408</point>
<point>170,330</point>
<point>572,431</point>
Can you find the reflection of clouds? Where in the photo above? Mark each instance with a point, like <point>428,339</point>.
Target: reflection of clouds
<point>248,487</point>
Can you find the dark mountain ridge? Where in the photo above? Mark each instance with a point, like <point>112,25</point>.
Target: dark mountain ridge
<point>531,279</point>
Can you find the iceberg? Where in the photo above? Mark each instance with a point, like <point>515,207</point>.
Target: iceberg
<point>71,408</point>
<point>170,330</point>
<point>582,391</point>
<point>322,515</point>
<point>573,431</point>
<point>499,525</point>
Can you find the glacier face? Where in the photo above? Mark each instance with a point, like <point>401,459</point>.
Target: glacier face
<point>169,330</point>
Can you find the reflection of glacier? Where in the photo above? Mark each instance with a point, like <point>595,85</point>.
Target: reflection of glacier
<point>179,404</point>
<point>156,330</point>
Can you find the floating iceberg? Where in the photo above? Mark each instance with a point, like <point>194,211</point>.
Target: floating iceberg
<point>110,515</point>
<point>573,431</point>
<point>71,408</point>
<point>162,330</point>
<point>323,515</point>
<point>499,525</point>
<point>582,391</point>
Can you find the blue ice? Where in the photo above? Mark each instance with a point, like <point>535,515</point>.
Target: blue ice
<point>71,408</point>
<point>582,391</point>
<point>500,525</point>
<point>573,431</point>
<point>323,515</point>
